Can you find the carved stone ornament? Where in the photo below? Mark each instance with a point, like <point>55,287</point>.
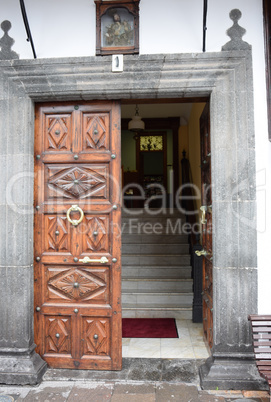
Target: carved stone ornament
<point>6,43</point>
<point>236,32</point>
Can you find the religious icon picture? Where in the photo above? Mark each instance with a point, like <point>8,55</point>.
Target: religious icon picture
<point>117,27</point>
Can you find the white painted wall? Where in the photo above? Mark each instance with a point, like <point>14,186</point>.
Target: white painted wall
<point>63,28</point>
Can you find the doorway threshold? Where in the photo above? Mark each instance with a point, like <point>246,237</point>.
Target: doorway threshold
<point>133,369</point>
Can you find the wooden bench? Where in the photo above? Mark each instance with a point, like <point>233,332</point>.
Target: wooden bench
<point>261,334</point>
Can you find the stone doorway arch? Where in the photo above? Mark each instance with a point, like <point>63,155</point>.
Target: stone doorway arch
<point>225,77</point>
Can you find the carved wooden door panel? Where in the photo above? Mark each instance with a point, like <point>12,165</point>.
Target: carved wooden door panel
<point>77,291</point>
<point>206,220</point>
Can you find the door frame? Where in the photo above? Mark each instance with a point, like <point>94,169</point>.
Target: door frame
<point>223,76</point>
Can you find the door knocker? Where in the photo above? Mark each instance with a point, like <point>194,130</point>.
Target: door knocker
<point>75,208</point>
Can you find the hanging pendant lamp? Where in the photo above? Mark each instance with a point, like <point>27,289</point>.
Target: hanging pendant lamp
<point>136,124</point>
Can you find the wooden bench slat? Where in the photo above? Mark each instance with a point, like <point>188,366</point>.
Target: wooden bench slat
<point>263,362</point>
<point>261,323</point>
<point>261,329</point>
<point>263,356</point>
<point>262,343</point>
<point>263,372</point>
<point>262,350</point>
<point>254,317</point>
<point>261,336</point>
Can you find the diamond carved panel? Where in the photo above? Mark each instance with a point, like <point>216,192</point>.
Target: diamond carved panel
<point>58,335</point>
<point>58,133</point>
<point>96,238</point>
<point>96,336</point>
<point>56,234</point>
<point>77,182</point>
<point>95,131</point>
<point>78,284</point>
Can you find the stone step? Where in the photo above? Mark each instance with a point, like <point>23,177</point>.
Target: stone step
<point>181,313</point>
<point>157,299</point>
<point>152,230</point>
<point>162,259</point>
<point>155,212</point>
<point>151,219</point>
<point>153,226</point>
<point>155,249</point>
<point>146,271</point>
<point>154,238</point>
<point>155,284</point>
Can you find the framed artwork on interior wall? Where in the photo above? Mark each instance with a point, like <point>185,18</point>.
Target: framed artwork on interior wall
<point>117,27</point>
<point>267,29</point>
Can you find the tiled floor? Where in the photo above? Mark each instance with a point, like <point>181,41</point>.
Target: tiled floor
<point>189,345</point>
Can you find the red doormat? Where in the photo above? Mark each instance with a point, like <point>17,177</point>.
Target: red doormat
<point>149,328</point>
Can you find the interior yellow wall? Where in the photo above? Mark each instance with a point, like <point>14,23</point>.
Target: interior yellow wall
<point>194,145</point>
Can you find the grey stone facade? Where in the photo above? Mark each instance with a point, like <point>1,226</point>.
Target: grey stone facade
<point>227,78</point>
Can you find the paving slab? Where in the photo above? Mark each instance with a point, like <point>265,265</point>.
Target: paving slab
<point>134,393</point>
<point>176,392</point>
<point>91,392</point>
<point>53,392</point>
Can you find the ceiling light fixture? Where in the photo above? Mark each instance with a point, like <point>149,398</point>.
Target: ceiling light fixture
<point>136,124</point>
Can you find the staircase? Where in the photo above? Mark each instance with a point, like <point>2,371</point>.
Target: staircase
<point>156,270</point>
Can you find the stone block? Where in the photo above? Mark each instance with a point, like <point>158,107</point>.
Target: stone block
<point>231,326</point>
<point>224,169</point>
<point>21,368</point>
<point>245,188</point>
<point>230,374</point>
<point>222,115</point>
<point>247,239</point>
<point>3,237</point>
<point>19,179</point>
<point>180,370</point>
<point>19,244</point>
<point>20,133</point>
<point>225,235</point>
<point>145,370</point>
<point>16,312</point>
<point>4,125</point>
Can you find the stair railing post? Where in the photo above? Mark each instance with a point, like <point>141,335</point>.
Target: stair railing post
<point>197,282</point>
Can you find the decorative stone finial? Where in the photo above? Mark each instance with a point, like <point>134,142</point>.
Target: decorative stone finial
<point>236,32</point>
<point>6,43</point>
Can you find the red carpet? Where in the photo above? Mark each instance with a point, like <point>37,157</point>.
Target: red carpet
<point>149,328</point>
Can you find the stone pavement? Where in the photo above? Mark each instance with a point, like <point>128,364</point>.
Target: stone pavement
<point>146,380</point>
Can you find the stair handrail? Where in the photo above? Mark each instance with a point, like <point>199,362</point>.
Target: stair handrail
<point>188,197</point>
<point>188,204</point>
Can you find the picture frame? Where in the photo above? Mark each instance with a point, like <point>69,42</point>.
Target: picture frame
<point>117,27</point>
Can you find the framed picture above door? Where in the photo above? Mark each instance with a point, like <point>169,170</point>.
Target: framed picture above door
<point>117,27</point>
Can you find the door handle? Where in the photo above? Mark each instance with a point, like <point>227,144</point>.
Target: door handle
<point>86,259</point>
<point>203,252</point>
<point>203,220</point>
<point>75,208</point>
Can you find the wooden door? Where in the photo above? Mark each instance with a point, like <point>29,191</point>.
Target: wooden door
<point>206,220</point>
<point>77,291</point>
